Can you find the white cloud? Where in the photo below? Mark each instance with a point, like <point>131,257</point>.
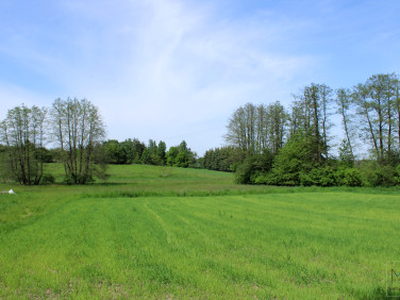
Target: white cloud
<point>165,69</point>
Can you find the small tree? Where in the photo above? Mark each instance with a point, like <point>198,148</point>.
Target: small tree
<point>295,158</point>
<point>185,158</point>
<point>77,127</point>
<point>162,152</point>
<point>171,155</point>
<point>114,152</point>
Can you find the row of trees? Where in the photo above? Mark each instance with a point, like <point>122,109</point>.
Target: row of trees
<point>225,159</point>
<point>253,128</point>
<point>294,146</point>
<point>267,144</point>
<point>134,151</point>
<point>74,126</point>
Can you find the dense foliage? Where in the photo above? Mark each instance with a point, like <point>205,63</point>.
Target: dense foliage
<point>266,144</point>
<point>134,151</point>
<point>293,147</point>
<point>223,159</point>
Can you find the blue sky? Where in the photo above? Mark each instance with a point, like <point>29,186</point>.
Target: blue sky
<point>176,70</point>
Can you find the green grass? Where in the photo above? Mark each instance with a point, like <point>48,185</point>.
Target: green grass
<point>158,232</point>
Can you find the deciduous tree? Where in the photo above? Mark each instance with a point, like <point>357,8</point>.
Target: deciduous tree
<point>23,131</point>
<point>77,127</point>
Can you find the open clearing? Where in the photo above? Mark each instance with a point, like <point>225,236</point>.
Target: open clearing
<point>173,233</point>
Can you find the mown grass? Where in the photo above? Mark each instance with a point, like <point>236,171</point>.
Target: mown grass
<point>171,233</point>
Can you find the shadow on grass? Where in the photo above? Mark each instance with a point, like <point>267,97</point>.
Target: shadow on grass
<point>380,293</point>
<point>113,183</point>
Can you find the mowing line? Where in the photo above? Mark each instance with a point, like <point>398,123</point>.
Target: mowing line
<point>170,237</point>
<point>190,225</point>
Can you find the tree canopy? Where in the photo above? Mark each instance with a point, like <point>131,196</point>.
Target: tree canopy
<point>300,138</point>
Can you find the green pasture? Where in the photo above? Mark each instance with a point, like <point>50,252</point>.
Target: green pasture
<point>158,232</point>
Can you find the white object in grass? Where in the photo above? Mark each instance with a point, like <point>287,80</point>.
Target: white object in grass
<point>10,192</point>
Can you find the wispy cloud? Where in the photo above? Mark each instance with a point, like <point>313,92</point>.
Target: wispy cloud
<point>174,69</point>
<point>185,68</point>
<point>160,69</point>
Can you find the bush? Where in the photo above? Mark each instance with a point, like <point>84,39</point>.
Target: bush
<point>309,178</point>
<point>243,173</point>
<point>320,176</point>
<point>71,181</point>
<point>48,179</point>
<point>375,174</point>
<point>253,167</point>
<point>328,177</point>
<point>349,177</point>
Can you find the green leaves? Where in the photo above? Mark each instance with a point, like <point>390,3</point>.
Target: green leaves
<point>23,132</point>
<point>78,128</point>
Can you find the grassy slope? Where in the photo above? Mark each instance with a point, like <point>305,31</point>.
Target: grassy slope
<point>163,232</point>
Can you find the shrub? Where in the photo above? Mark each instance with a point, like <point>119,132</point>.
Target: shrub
<point>48,179</point>
<point>308,178</point>
<point>328,177</point>
<point>243,173</point>
<point>254,167</point>
<point>320,176</point>
<point>375,174</point>
<point>349,177</point>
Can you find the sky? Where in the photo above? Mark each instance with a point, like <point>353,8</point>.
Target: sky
<point>176,70</point>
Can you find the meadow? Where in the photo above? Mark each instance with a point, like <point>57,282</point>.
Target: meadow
<point>160,232</point>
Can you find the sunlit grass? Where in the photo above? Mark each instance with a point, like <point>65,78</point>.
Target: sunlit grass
<point>148,234</point>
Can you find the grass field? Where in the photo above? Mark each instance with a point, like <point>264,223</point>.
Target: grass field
<point>158,232</point>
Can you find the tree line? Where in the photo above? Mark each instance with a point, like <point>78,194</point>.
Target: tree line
<point>133,151</point>
<point>76,131</point>
<point>266,143</point>
<point>293,146</point>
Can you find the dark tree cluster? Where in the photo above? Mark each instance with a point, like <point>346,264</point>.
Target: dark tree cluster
<point>223,159</point>
<point>136,152</point>
<point>126,152</point>
<point>294,146</point>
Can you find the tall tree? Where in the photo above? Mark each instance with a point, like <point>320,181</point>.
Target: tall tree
<point>77,127</point>
<point>344,108</point>
<point>23,131</point>
<point>326,101</point>
<point>242,128</point>
<point>262,132</point>
<point>376,106</point>
<point>310,115</point>
<point>396,87</point>
<point>255,128</point>
<point>276,126</point>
